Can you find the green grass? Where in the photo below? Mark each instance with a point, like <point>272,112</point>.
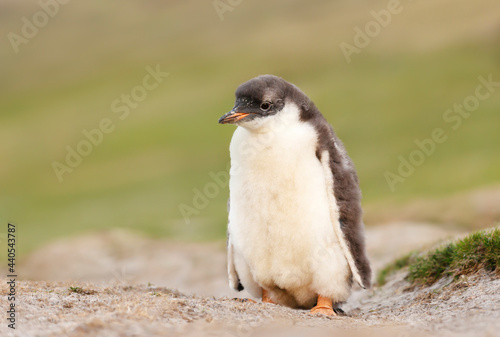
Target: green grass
<point>81,291</point>
<point>476,252</point>
<point>75,289</point>
<point>64,80</point>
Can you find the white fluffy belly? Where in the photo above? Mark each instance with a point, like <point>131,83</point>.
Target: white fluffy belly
<point>280,222</point>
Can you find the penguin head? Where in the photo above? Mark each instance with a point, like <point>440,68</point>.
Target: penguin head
<point>258,101</point>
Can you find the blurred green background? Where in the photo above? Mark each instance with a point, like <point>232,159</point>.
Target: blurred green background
<point>64,79</point>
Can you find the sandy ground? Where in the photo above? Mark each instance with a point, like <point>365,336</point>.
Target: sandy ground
<point>134,286</point>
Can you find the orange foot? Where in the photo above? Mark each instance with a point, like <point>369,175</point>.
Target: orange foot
<point>265,297</point>
<point>324,306</point>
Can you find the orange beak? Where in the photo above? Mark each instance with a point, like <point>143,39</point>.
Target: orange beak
<point>232,117</point>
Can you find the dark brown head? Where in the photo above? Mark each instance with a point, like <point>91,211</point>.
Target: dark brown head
<point>261,97</point>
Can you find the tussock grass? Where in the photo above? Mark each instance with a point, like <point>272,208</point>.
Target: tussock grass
<point>476,252</point>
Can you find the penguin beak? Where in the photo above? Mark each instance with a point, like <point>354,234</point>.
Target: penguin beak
<point>232,117</point>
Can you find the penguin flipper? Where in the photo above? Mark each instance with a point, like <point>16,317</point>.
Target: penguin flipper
<point>234,279</point>
<point>335,218</point>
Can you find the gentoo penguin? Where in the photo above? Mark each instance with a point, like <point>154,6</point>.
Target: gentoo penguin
<point>295,230</point>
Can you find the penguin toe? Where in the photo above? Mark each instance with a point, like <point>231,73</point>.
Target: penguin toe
<point>266,298</point>
<point>323,311</point>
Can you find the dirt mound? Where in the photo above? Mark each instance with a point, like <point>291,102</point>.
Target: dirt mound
<point>131,258</point>
<point>472,210</point>
<point>470,307</point>
<point>192,268</point>
<point>107,291</point>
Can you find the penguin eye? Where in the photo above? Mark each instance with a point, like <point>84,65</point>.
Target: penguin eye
<point>265,106</point>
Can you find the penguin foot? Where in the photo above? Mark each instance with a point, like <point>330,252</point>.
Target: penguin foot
<point>324,307</point>
<point>244,300</point>
<point>266,298</point>
<point>323,310</point>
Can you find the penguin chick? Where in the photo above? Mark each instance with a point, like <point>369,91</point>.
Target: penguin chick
<point>295,229</point>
